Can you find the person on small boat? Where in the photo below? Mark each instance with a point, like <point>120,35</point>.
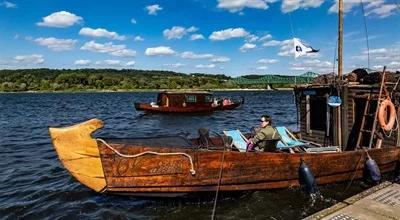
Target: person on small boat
<point>215,102</point>
<point>263,134</point>
<point>227,101</point>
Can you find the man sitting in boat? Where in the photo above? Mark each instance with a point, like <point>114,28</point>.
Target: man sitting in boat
<point>265,136</point>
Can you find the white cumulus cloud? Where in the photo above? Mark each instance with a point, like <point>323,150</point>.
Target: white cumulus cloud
<point>292,5</point>
<point>296,68</point>
<point>110,48</point>
<point>389,56</point>
<point>196,37</point>
<point>246,47</point>
<point>228,34</point>
<point>239,5</point>
<point>272,43</point>
<point>8,4</point>
<point>60,19</point>
<point>159,51</point>
<point>203,66</point>
<point>30,59</point>
<point>262,67</point>
<point>314,65</point>
<point>252,38</point>
<point>267,61</point>
<point>220,59</point>
<point>56,44</point>
<point>191,55</point>
<point>265,37</point>
<point>152,9</point>
<point>82,62</point>
<point>112,62</point>
<point>133,21</point>
<point>177,32</point>
<point>175,65</point>
<point>130,63</point>
<point>378,8</point>
<point>213,58</point>
<point>138,38</point>
<point>115,63</point>
<point>384,10</point>
<point>101,32</point>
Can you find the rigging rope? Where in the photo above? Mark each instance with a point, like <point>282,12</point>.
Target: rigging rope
<point>219,184</point>
<point>192,171</point>
<point>219,181</point>
<point>335,57</point>
<point>291,24</point>
<point>366,30</point>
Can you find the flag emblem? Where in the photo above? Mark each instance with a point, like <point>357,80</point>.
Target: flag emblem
<point>301,49</point>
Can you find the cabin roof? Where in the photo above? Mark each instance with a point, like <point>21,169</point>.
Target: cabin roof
<point>187,92</point>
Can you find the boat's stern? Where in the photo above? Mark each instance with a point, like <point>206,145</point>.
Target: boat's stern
<point>79,152</point>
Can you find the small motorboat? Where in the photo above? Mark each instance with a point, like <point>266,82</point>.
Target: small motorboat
<point>188,102</point>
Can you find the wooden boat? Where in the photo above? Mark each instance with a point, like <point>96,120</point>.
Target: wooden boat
<point>175,167</point>
<point>172,167</point>
<point>187,102</point>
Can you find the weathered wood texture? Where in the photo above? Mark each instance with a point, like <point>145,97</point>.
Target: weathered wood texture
<point>97,166</point>
<point>241,171</point>
<point>79,153</point>
<point>353,93</point>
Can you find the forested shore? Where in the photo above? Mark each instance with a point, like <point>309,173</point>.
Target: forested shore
<point>23,80</point>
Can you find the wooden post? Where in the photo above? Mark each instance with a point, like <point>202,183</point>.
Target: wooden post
<point>345,115</point>
<point>340,70</point>
<point>308,116</point>
<point>340,41</point>
<point>398,129</point>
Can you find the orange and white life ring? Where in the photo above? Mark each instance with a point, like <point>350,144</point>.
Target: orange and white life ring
<point>384,107</point>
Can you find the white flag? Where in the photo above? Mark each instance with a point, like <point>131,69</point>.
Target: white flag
<point>301,49</point>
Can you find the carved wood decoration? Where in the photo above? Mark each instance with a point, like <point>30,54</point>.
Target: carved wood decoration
<point>79,153</point>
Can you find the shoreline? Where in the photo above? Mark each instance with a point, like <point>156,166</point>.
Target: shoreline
<point>148,90</point>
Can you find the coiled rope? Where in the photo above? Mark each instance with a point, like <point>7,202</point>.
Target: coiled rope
<point>192,171</point>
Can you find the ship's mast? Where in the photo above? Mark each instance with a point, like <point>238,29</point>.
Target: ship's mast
<point>340,71</point>
<point>340,41</point>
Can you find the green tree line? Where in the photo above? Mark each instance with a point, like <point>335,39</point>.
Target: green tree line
<point>111,79</point>
<point>106,79</point>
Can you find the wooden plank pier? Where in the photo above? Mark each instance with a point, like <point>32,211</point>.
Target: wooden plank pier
<point>379,202</point>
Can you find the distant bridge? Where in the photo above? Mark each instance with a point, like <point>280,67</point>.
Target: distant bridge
<point>275,79</point>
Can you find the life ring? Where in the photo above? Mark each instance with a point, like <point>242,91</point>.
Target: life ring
<point>382,115</point>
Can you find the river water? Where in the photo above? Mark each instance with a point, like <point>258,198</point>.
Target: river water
<point>34,185</point>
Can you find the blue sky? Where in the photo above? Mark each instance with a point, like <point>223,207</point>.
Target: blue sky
<point>232,37</point>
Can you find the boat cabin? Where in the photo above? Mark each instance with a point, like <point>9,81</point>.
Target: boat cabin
<point>185,99</point>
<point>347,123</point>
